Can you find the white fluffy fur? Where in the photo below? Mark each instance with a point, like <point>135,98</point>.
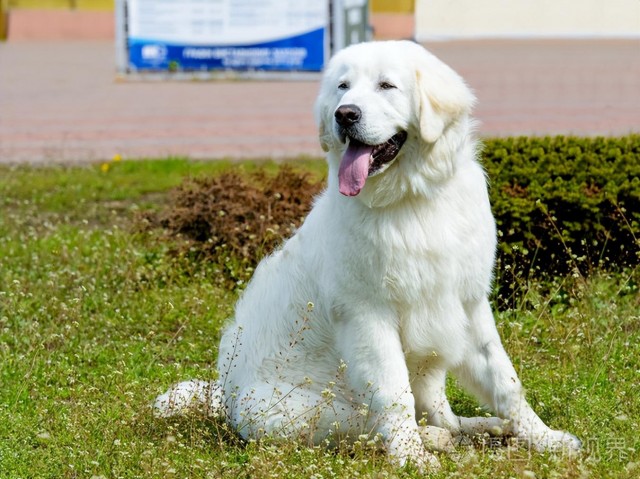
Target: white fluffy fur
<point>351,327</point>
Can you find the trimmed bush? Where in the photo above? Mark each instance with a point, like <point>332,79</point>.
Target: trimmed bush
<point>562,205</point>
<point>565,204</point>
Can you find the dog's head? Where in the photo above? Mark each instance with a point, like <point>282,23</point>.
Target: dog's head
<point>382,109</point>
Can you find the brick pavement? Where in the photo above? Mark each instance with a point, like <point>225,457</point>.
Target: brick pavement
<point>60,102</point>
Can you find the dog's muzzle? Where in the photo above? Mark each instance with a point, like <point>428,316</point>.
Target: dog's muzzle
<point>361,160</point>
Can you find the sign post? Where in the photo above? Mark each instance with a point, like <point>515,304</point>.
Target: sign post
<point>350,23</point>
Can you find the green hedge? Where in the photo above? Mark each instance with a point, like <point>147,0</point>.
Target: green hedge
<point>562,205</point>
<point>565,204</point>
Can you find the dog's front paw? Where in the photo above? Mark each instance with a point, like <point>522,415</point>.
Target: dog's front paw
<point>557,441</point>
<point>437,439</point>
<point>551,440</point>
<point>409,448</point>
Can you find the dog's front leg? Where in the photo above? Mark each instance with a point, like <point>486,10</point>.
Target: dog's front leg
<point>377,375</point>
<point>487,371</point>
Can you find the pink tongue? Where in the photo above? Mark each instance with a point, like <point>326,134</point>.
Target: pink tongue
<point>354,168</point>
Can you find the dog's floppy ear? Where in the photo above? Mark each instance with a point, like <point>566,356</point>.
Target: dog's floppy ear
<point>444,96</point>
<point>320,112</point>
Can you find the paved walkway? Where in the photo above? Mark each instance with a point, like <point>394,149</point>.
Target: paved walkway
<point>59,101</point>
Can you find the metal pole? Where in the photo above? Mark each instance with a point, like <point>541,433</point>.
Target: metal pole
<point>122,55</point>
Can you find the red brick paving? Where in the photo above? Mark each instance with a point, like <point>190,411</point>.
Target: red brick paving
<point>55,24</point>
<point>60,102</point>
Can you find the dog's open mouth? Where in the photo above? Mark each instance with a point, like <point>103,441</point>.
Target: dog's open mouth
<point>361,161</point>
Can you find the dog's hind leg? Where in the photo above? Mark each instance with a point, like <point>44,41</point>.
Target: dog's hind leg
<point>194,395</point>
<point>488,373</point>
<point>293,412</point>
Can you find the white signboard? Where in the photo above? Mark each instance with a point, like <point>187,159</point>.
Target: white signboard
<point>277,35</point>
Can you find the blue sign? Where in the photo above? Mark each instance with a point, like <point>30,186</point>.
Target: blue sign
<point>302,52</point>
<point>188,35</point>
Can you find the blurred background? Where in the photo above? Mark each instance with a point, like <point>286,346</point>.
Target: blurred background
<point>419,19</point>
<point>538,67</point>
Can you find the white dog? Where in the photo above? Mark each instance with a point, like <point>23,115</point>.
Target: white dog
<point>351,327</point>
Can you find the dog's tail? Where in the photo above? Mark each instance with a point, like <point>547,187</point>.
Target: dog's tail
<point>194,395</point>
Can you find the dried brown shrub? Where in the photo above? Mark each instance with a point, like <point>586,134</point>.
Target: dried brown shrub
<point>235,219</point>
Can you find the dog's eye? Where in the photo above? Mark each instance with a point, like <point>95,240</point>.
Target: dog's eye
<point>343,85</point>
<point>385,85</point>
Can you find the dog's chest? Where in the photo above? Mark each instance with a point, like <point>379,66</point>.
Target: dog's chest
<point>430,254</point>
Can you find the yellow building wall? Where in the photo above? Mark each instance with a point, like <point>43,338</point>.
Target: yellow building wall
<point>3,21</point>
<point>392,6</point>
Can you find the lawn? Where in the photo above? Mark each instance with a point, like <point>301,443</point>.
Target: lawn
<point>97,317</point>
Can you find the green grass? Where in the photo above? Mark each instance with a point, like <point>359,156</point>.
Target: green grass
<point>96,320</point>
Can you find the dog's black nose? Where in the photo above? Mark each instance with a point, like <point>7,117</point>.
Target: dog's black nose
<point>347,115</point>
